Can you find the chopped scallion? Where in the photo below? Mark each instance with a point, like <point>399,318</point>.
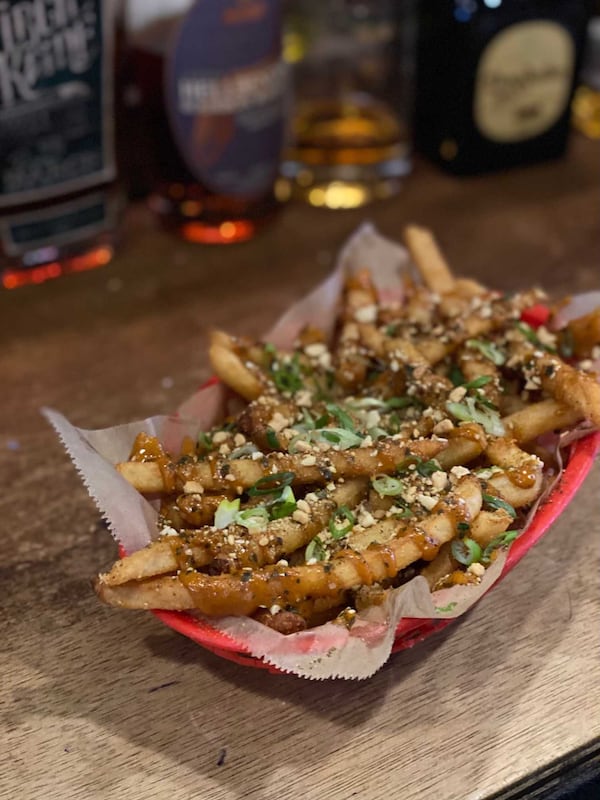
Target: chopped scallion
<point>284,505</point>
<point>272,439</point>
<point>489,350</point>
<point>386,486</point>
<point>503,540</point>
<point>255,519</point>
<point>271,483</point>
<point>497,502</point>
<point>226,513</point>
<point>475,410</point>
<point>315,550</point>
<point>466,551</point>
<point>477,383</point>
<point>346,517</point>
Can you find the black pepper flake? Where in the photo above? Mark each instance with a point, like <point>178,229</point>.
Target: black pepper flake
<point>224,469</point>
<point>549,370</point>
<point>245,577</point>
<point>327,568</point>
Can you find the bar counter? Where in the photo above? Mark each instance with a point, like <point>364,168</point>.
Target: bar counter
<point>98,703</point>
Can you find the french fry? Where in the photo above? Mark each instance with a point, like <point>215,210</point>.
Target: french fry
<point>231,369</point>
<point>427,256</point>
<point>383,456</point>
<point>539,418</point>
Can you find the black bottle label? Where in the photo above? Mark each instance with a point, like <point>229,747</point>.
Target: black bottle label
<point>56,122</point>
<point>225,87</point>
<point>523,81</point>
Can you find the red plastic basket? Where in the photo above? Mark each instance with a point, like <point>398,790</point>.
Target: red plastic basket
<point>411,631</point>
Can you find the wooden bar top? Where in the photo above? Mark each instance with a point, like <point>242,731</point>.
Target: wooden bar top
<point>97,703</point>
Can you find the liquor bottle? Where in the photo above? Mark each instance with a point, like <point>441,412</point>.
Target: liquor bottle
<point>495,80</point>
<point>211,105</point>
<point>58,200</point>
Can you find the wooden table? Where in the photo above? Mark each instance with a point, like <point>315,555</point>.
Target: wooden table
<point>96,703</point>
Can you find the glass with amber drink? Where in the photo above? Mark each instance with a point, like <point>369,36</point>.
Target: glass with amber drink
<point>349,140</point>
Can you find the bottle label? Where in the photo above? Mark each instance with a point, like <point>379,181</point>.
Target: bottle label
<point>523,81</point>
<point>225,89</point>
<point>56,121</point>
<point>61,224</point>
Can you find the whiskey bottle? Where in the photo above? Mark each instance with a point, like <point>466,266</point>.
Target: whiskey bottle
<point>495,80</point>
<point>211,90</point>
<point>58,201</point>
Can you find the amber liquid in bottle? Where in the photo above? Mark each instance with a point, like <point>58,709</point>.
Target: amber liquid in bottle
<point>59,202</point>
<point>201,210</point>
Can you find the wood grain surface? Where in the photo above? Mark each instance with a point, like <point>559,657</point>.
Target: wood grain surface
<point>96,703</point>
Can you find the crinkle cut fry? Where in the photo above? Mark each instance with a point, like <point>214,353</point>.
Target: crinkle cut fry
<point>279,538</point>
<point>383,456</point>
<point>243,594</point>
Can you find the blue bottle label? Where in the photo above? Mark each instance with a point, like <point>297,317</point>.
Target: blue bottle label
<point>56,121</point>
<point>225,90</point>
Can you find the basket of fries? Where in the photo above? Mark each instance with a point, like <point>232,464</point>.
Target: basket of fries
<point>359,478</point>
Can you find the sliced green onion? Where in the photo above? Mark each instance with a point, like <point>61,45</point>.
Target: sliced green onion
<point>489,350</point>
<point>343,513</point>
<point>315,549</point>
<point>287,376</point>
<point>341,437</point>
<point>402,402</point>
<point>340,415</point>
<point>366,403</point>
<point>474,410</point>
<point>456,376</point>
<point>307,419</point>
<point>205,440</point>
<point>386,486</point>
<point>272,439</point>
<point>477,383</point>
<point>424,468</point>
<point>497,502</point>
<point>466,551</point>
<point>284,506</point>
<point>503,540</point>
<point>271,483</point>
<point>244,450</point>
<point>226,513</point>
<point>255,519</point>
<point>390,330</point>
<point>463,527</point>
<point>427,468</point>
<point>377,433</point>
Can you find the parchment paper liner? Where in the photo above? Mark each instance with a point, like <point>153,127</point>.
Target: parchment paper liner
<point>329,651</point>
